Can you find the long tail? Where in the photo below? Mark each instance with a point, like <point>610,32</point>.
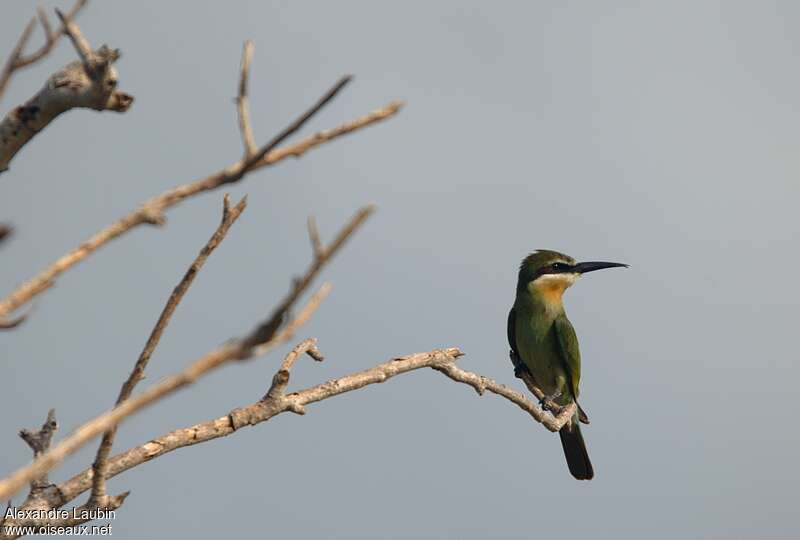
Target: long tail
<point>575,451</point>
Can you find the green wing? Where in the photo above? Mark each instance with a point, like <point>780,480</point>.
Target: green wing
<point>570,352</point>
<point>512,330</point>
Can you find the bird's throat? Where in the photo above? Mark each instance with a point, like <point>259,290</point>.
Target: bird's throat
<point>548,291</point>
<point>551,292</point>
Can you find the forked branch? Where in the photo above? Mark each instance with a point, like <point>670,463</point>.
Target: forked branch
<point>277,401</point>
<point>229,217</point>
<point>90,83</point>
<point>260,341</point>
<point>152,211</point>
<point>17,59</point>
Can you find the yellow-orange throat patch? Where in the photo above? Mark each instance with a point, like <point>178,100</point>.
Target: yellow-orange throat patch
<point>551,287</point>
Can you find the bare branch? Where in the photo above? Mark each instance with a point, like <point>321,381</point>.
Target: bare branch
<point>80,43</point>
<point>229,217</point>
<point>259,342</point>
<point>13,60</point>
<point>300,148</point>
<point>109,419</point>
<point>39,441</point>
<point>265,409</point>
<point>255,413</point>
<point>281,379</point>
<point>91,83</point>
<point>243,101</point>
<point>276,401</point>
<point>264,333</point>
<point>313,235</point>
<point>482,384</point>
<point>292,128</point>
<point>151,212</point>
<point>51,38</point>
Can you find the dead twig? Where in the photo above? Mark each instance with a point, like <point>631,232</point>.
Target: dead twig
<point>109,419</point>
<point>90,83</point>
<point>151,212</point>
<point>277,401</point>
<point>259,342</point>
<point>229,217</point>
<point>313,236</point>
<point>39,441</point>
<point>243,101</point>
<point>80,42</point>
<point>441,359</point>
<point>264,333</point>
<point>18,60</point>
<point>481,384</point>
<point>281,379</point>
<point>42,491</point>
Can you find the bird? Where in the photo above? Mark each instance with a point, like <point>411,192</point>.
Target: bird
<point>544,343</point>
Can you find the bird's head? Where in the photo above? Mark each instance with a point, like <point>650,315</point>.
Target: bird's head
<point>547,274</point>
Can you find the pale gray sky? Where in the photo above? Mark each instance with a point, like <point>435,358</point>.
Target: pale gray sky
<point>661,134</point>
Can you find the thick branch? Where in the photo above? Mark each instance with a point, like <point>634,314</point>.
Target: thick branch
<point>90,83</point>
<point>277,401</point>
<point>441,360</point>
<point>152,210</point>
<point>229,217</point>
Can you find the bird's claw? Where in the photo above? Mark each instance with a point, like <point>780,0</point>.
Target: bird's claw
<point>547,402</point>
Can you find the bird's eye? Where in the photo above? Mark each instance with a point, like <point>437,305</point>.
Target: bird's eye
<point>560,267</point>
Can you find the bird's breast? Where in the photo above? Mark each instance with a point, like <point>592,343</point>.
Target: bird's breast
<point>538,349</point>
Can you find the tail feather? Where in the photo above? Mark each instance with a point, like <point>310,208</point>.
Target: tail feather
<point>575,451</point>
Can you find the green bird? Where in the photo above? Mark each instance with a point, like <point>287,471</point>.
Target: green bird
<point>544,343</point>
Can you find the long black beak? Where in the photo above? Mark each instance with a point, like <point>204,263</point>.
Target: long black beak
<point>591,266</point>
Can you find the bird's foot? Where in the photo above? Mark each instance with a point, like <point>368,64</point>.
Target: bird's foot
<point>547,402</point>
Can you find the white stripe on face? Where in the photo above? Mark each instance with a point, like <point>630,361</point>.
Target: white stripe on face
<point>567,279</point>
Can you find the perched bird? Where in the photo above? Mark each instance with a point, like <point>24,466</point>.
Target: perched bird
<point>544,343</point>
